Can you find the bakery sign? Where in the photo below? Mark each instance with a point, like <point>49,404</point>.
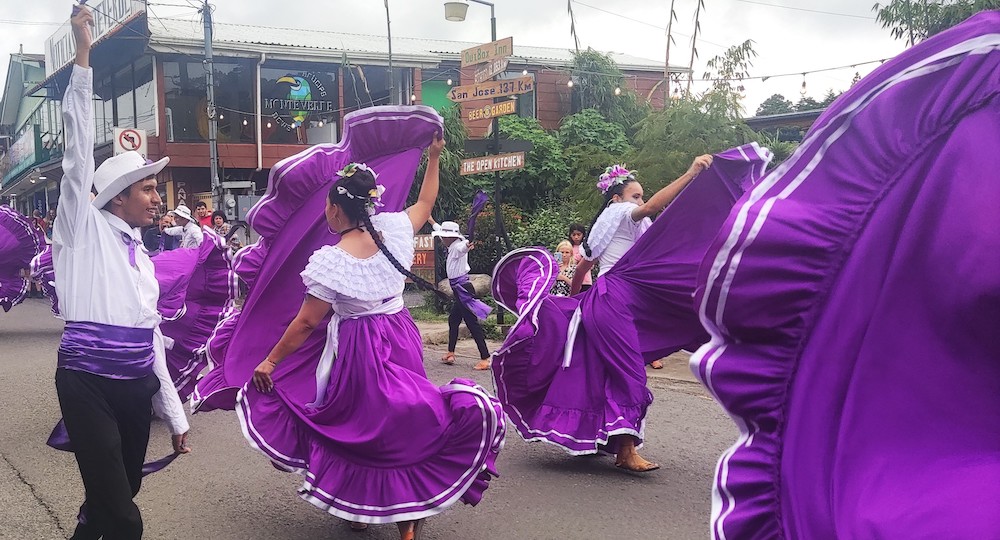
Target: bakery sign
<point>295,98</point>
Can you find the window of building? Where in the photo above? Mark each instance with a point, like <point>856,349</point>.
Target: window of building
<point>300,103</point>
<point>526,104</point>
<point>122,85</point>
<point>367,86</point>
<point>186,101</point>
<point>104,110</point>
<point>145,95</point>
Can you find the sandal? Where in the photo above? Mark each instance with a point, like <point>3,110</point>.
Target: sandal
<point>448,358</point>
<point>412,529</point>
<point>631,468</point>
<point>483,365</point>
<point>656,364</point>
<point>358,527</point>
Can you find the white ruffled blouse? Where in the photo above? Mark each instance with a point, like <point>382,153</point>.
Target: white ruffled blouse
<point>354,285</point>
<point>613,234</point>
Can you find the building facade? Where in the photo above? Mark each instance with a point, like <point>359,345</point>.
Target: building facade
<point>276,91</point>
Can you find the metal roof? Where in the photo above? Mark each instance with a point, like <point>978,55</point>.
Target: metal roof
<point>187,36</point>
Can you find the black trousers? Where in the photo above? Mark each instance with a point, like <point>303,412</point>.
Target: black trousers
<point>459,313</point>
<point>108,425</point>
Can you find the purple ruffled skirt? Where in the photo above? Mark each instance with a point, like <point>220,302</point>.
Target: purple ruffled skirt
<point>387,445</point>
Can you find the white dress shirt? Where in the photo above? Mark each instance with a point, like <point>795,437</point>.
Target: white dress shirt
<point>94,279</point>
<point>458,258</point>
<point>191,234</point>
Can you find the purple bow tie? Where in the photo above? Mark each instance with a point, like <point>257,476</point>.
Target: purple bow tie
<point>130,242</point>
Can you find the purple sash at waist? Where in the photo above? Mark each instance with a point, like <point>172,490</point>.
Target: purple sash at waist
<point>478,308</point>
<point>115,352</point>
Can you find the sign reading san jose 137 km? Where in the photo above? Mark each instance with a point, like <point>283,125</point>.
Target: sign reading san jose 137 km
<point>492,89</point>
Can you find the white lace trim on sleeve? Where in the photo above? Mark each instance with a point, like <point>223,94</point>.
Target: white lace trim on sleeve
<point>604,229</point>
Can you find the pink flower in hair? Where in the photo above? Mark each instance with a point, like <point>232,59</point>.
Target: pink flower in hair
<point>614,175</point>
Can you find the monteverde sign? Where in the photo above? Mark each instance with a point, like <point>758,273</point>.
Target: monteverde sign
<point>293,98</point>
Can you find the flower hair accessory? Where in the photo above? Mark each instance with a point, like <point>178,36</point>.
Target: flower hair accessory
<point>373,199</point>
<point>613,176</point>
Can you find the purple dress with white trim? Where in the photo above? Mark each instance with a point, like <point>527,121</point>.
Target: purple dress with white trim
<point>352,409</point>
<point>197,291</point>
<point>853,299</point>
<point>20,241</point>
<point>577,397</point>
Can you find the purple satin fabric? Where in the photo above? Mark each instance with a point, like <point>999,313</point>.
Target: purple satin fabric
<point>478,308</point>
<point>59,440</point>
<point>130,243</point>
<point>478,203</point>
<point>115,352</point>
<point>853,300</point>
<point>20,240</point>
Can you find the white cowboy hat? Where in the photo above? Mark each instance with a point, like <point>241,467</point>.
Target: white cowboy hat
<point>119,172</point>
<point>184,212</point>
<point>447,229</point>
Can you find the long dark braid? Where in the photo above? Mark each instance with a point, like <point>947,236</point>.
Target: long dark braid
<point>359,184</point>
<point>616,189</point>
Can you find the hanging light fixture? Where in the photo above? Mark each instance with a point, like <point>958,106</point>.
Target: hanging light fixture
<point>413,98</point>
<point>524,72</point>
<point>569,83</point>
<point>449,82</point>
<point>244,121</point>
<point>320,124</point>
<point>618,91</point>
<point>222,116</point>
<point>268,125</point>
<point>803,90</point>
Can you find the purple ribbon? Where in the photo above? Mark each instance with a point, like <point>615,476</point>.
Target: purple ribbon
<point>59,439</point>
<point>114,352</point>
<point>478,308</point>
<point>130,242</point>
<point>478,203</point>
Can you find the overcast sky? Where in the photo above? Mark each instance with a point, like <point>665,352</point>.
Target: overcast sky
<point>786,40</point>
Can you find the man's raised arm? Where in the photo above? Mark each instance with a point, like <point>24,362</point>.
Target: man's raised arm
<point>78,126</point>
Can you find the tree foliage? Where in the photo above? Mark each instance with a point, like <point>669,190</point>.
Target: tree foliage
<point>545,173</point>
<point>455,192</point>
<point>727,72</point>
<point>596,76</point>
<point>592,144</point>
<point>917,20</point>
<point>829,98</point>
<point>588,127</point>
<point>547,227</point>
<point>807,103</point>
<point>776,104</point>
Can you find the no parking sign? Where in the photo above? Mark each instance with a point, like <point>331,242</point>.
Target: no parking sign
<point>128,139</point>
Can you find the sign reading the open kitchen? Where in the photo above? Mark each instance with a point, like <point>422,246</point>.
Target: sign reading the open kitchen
<point>486,164</point>
<point>492,89</point>
<point>488,51</point>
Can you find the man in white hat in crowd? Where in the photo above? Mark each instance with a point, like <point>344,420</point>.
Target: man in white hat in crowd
<point>111,367</point>
<point>187,229</point>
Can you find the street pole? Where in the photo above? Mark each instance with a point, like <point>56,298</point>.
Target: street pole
<point>213,123</point>
<point>388,25</point>
<point>501,234</point>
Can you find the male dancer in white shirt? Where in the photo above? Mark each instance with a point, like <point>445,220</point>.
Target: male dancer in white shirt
<point>111,368</point>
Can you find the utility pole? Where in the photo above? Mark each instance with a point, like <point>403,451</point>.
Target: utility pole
<point>388,24</point>
<point>213,123</point>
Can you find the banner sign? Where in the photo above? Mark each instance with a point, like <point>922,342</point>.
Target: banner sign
<point>491,70</point>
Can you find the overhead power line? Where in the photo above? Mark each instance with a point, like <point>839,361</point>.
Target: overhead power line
<point>808,10</point>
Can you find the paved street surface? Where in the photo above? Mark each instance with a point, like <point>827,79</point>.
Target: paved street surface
<point>224,490</point>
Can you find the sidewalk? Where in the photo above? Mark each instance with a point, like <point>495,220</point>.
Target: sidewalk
<point>435,336</point>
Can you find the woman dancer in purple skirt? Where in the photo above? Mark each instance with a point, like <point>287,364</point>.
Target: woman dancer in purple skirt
<point>572,369</point>
<point>416,449</point>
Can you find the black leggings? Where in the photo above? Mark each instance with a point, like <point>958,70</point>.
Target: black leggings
<point>459,313</point>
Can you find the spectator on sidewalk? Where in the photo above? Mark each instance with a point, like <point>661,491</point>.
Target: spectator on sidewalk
<point>219,224</point>
<point>186,229</point>
<point>203,213</point>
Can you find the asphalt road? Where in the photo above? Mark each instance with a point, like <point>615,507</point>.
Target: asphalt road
<point>224,490</point>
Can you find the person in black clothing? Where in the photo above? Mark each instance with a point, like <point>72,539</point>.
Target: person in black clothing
<point>156,241</point>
